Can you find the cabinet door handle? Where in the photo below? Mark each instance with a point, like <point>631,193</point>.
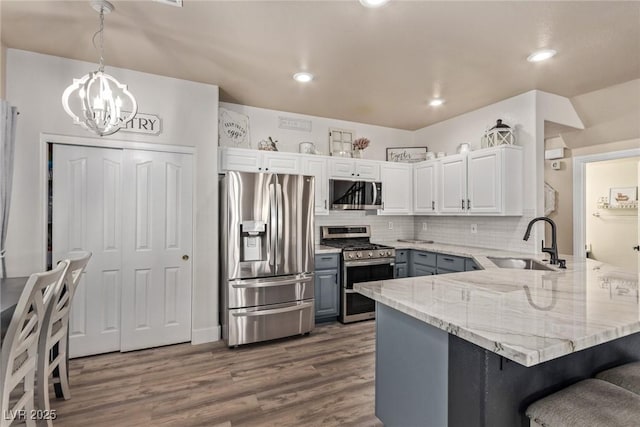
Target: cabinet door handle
<point>448,259</point>
<point>433,205</point>
<point>462,204</point>
<point>326,258</point>
<point>468,204</point>
<point>325,203</point>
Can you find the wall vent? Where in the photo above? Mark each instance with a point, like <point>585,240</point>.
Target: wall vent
<point>176,3</point>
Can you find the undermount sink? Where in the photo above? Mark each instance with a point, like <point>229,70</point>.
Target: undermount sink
<point>519,263</point>
<point>414,241</point>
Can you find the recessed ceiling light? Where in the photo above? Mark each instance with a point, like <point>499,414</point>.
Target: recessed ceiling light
<point>303,77</point>
<point>436,102</point>
<point>373,3</point>
<point>541,55</point>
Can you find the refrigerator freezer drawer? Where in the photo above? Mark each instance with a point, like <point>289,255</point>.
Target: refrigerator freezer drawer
<point>248,325</point>
<point>274,290</point>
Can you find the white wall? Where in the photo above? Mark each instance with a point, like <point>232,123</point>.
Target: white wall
<point>264,123</point>
<point>611,235</point>
<point>189,110</point>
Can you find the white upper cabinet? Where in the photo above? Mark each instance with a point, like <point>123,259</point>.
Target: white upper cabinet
<point>424,188</point>
<point>317,167</point>
<point>366,170</point>
<point>484,179</point>
<point>482,182</point>
<point>397,185</point>
<point>239,159</point>
<point>453,184</point>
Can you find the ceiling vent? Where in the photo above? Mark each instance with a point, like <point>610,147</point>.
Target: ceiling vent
<point>176,3</point>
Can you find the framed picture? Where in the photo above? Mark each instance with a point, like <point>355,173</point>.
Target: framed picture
<point>406,154</point>
<point>233,129</point>
<point>621,197</point>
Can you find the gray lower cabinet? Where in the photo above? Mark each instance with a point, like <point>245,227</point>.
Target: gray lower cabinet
<point>327,287</point>
<point>402,267</point>
<point>401,270</point>
<point>423,263</point>
<point>470,265</point>
<point>423,270</point>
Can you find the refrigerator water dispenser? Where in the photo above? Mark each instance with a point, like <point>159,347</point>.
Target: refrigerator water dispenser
<point>253,240</point>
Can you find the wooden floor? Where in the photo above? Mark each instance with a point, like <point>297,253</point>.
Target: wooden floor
<point>325,379</point>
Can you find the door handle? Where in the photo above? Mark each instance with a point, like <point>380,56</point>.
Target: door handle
<point>636,248</point>
<point>468,204</point>
<point>433,205</point>
<point>185,257</point>
<point>462,204</point>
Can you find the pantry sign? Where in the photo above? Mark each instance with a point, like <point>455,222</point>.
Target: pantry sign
<point>148,124</point>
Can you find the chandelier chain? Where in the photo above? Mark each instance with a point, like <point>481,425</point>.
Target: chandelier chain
<point>101,33</point>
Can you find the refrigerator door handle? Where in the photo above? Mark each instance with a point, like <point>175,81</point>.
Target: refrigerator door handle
<point>273,215</point>
<point>297,307</point>
<point>269,283</point>
<point>280,214</point>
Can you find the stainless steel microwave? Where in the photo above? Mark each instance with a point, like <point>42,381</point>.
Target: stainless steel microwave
<point>355,195</point>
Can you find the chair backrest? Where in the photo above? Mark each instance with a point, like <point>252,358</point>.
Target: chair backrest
<point>64,295</point>
<point>19,347</point>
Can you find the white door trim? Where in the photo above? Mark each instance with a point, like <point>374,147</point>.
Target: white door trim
<point>579,184</point>
<point>114,143</point>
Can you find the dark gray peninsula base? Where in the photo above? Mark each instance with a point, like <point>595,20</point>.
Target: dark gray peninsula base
<point>428,377</point>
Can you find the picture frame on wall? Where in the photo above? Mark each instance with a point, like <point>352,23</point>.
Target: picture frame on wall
<point>407,154</point>
<point>623,197</point>
<point>233,129</point>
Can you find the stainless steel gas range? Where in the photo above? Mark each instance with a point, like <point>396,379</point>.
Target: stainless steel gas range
<point>361,261</point>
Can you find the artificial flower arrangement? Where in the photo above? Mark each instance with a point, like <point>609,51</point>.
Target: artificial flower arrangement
<point>361,143</point>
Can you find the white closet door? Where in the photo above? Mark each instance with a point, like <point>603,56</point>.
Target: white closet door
<point>157,225</point>
<point>87,215</point>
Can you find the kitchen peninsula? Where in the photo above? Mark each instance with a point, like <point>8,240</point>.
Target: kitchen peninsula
<point>476,348</point>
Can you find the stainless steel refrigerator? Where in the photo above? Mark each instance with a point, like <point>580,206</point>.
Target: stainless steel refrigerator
<point>266,256</point>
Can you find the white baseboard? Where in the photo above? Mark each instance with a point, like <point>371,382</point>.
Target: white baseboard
<point>205,335</point>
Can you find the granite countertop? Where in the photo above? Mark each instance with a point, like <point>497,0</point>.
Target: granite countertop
<point>322,249</point>
<point>527,316</point>
<point>479,255</point>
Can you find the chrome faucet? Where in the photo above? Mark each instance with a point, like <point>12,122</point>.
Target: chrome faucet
<point>553,250</point>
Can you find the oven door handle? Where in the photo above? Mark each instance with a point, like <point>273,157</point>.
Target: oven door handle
<point>365,262</point>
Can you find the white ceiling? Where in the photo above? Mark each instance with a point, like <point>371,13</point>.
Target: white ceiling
<point>377,66</point>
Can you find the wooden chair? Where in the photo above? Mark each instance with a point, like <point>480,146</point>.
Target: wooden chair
<point>55,332</point>
<point>20,346</point>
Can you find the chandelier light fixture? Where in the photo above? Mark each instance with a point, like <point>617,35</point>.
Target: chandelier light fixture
<point>97,101</point>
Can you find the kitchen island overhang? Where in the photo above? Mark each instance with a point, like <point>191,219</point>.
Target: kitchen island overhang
<point>476,348</point>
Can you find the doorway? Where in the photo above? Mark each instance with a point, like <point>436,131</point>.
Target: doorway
<point>133,210</point>
<point>611,228</point>
<point>606,226</point>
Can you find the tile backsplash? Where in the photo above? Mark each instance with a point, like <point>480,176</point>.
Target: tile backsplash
<point>402,225</point>
<point>492,232</point>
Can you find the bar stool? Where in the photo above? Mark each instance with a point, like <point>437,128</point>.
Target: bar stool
<point>625,376</point>
<point>54,333</point>
<point>20,345</point>
<point>591,402</point>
